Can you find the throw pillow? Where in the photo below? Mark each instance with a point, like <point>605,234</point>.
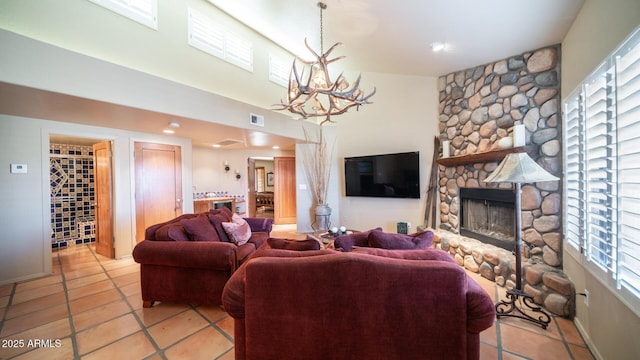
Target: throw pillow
<point>217,221</point>
<point>171,232</point>
<point>384,240</point>
<point>199,228</point>
<point>298,245</point>
<point>224,211</point>
<point>346,242</point>
<point>239,232</point>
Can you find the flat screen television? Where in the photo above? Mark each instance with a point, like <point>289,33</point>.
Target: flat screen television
<point>388,175</point>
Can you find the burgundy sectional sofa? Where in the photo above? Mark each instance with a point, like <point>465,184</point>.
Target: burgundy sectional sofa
<point>190,258</point>
<point>369,303</point>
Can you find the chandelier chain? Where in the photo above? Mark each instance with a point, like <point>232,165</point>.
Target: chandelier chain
<point>322,6</point>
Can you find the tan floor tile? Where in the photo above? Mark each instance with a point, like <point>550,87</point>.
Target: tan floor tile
<point>5,290</point>
<point>40,303</point>
<point>53,330</point>
<point>100,314</point>
<point>176,328</point>
<point>85,271</point>
<point>90,289</point>
<point>106,333</point>
<point>229,355</point>
<point>213,313</point>
<point>205,344</point>
<point>570,332</point>
<point>227,326</point>
<point>490,336</point>
<point>136,346</point>
<point>30,294</point>
<point>134,268</point>
<point>38,283</point>
<point>532,345</point>
<point>126,279</point>
<point>551,331</point>
<point>91,301</point>
<point>581,352</point>
<point>63,351</point>
<point>34,319</point>
<point>4,301</point>
<point>159,312</point>
<point>73,266</point>
<point>135,301</point>
<point>488,352</point>
<point>111,264</point>
<point>86,280</point>
<point>131,289</point>
<point>510,356</point>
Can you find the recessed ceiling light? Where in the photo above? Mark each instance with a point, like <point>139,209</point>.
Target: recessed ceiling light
<point>438,46</point>
<point>216,145</point>
<point>276,147</point>
<point>168,131</point>
<point>174,124</point>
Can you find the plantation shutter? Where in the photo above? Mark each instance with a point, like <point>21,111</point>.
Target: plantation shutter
<point>574,182</point>
<point>600,160</point>
<point>628,148</point>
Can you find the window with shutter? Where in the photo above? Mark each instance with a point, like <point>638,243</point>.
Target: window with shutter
<point>212,38</point>
<point>602,170</point>
<point>143,11</point>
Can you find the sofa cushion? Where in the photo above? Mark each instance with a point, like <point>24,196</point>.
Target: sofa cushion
<point>420,254</point>
<point>224,211</point>
<point>171,232</point>
<point>258,238</point>
<point>380,239</point>
<point>199,228</point>
<point>243,252</point>
<point>217,220</point>
<point>239,232</point>
<point>348,241</point>
<point>298,245</point>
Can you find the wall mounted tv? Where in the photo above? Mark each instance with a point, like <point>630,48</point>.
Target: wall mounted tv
<point>389,175</point>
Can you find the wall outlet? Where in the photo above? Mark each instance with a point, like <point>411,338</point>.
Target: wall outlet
<point>586,297</point>
<point>408,225</point>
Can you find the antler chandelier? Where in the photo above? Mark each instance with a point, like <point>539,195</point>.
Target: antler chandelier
<point>327,98</point>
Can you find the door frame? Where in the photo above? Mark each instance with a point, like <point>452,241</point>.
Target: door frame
<point>46,188</point>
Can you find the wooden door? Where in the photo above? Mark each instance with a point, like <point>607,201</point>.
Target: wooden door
<point>284,194</point>
<point>251,196</point>
<point>158,184</point>
<point>103,191</point>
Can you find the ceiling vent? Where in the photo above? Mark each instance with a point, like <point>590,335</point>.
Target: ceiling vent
<point>257,120</point>
<point>229,142</point>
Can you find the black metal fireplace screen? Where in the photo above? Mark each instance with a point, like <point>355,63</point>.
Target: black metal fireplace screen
<point>488,215</point>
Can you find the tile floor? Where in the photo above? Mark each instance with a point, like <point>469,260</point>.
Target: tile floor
<point>90,308</point>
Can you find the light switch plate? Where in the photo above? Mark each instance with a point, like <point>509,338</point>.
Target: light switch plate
<point>18,168</point>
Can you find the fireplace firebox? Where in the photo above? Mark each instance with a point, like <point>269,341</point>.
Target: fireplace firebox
<point>488,215</point>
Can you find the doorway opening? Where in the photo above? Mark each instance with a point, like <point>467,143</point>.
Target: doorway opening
<point>76,188</point>
<point>261,187</point>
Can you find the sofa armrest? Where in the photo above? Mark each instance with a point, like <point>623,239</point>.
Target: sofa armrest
<point>260,224</point>
<point>481,311</point>
<point>192,254</point>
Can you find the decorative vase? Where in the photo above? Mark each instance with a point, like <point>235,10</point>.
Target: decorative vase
<point>323,218</point>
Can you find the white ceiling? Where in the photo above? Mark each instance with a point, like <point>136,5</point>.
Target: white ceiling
<point>394,36</point>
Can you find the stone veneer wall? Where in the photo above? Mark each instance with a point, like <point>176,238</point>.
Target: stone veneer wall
<point>480,106</point>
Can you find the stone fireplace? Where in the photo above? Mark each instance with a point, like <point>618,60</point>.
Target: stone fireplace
<point>488,215</point>
<point>479,108</point>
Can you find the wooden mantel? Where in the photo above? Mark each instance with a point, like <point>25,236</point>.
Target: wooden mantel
<point>493,155</point>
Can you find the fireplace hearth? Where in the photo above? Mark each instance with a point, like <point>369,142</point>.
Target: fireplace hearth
<point>488,215</point>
